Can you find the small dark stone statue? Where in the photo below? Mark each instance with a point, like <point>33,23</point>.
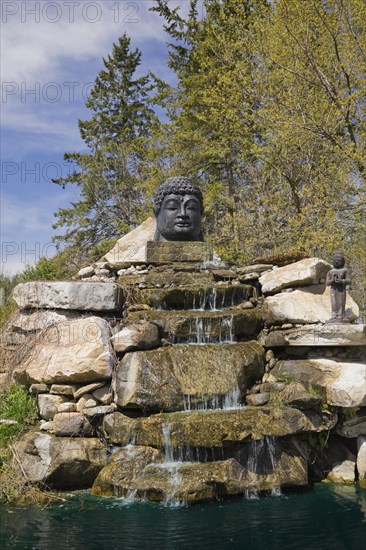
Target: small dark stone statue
<point>178,211</point>
<point>338,278</point>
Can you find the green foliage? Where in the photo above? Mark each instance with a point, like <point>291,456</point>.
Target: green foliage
<point>269,112</point>
<point>267,115</point>
<point>111,176</point>
<point>17,405</point>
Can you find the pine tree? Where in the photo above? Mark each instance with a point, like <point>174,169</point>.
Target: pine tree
<point>110,177</point>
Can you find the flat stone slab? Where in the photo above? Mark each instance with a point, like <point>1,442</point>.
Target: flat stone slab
<point>131,248</point>
<point>72,352</point>
<point>203,327</point>
<point>178,251</point>
<point>183,376</point>
<point>184,482</point>
<point>309,305</point>
<point>215,429</point>
<point>339,383</point>
<point>317,335</point>
<point>85,296</point>
<point>196,296</point>
<point>310,271</point>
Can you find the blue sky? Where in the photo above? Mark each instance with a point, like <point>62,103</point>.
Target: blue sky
<point>51,52</point>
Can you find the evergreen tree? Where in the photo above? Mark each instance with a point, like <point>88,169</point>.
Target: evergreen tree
<point>110,177</point>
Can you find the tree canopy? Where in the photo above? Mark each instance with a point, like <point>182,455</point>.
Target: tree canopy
<point>267,114</point>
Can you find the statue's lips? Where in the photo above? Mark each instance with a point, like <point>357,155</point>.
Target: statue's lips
<point>183,224</point>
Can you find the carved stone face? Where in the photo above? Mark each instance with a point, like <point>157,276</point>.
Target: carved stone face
<point>179,218</point>
<point>338,261</point>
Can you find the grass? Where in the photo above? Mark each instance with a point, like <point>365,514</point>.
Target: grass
<point>17,405</point>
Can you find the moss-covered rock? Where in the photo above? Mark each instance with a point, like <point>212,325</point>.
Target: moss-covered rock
<point>204,326</point>
<point>215,429</point>
<point>170,377</point>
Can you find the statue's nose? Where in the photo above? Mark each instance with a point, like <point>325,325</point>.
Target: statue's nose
<point>182,212</point>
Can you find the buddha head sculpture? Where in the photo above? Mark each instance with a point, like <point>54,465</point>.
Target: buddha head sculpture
<point>178,211</point>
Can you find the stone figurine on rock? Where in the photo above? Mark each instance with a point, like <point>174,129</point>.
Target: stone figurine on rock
<point>178,211</point>
<point>338,278</point>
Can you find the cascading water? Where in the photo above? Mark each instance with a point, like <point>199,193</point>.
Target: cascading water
<point>172,466</point>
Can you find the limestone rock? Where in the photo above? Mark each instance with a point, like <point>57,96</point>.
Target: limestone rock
<point>131,248</point>
<point>99,410</point>
<point>78,351</point>
<point>361,460</point>
<point>143,335</point>
<point>103,395</point>
<point>215,429</point>
<point>89,388</point>
<point>35,389</point>
<point>256,268</point>
<point>162,379</point>
<point>32,321</point>
<point>316,335</point>
<point>124,465</point>
<point>193,481</point>
<point>86,272</point>
<point>354,427</point>
<point>48,404</point>
<point>160,252</point>
<point>343,472</point>
<point>71,424</point>
<point>63,389</point>
<point>257,399</point>
<point>68,406</point>
<point>87,400</point>
<point>310,271</point>
<point>296,395</point>
<point>61,463</point>
<point>308,305</point>
<point>341,384</point>
<point>87,296</point>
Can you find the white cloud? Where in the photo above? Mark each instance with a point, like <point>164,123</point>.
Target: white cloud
<point>37,49</point>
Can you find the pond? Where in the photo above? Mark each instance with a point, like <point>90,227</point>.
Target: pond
<point>324,517</point>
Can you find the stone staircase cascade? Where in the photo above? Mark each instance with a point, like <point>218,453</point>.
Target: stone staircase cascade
<point>186,381</point>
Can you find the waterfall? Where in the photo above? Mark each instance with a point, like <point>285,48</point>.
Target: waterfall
<point>227,329</point>
<point>275,491</point>
<point>261,462</point>
<point>227,402</point>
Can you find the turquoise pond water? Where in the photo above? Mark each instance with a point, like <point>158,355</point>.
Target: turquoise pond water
<point>325,517</point>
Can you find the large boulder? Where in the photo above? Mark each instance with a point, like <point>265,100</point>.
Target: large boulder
<point>310,271</point>
<point>308,305</point>
<point>214,429</point>
<point>340,384</point>
<point>122,468</point>
<point>61,463</point>
<point>86,296</point>
<point>131,248</point>
<point>77,351</point>
<point>196,482</point>
<point>171,377</point>
<point>316,335</point>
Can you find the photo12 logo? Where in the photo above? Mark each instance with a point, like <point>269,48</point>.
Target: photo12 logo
<point>70,11</point>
